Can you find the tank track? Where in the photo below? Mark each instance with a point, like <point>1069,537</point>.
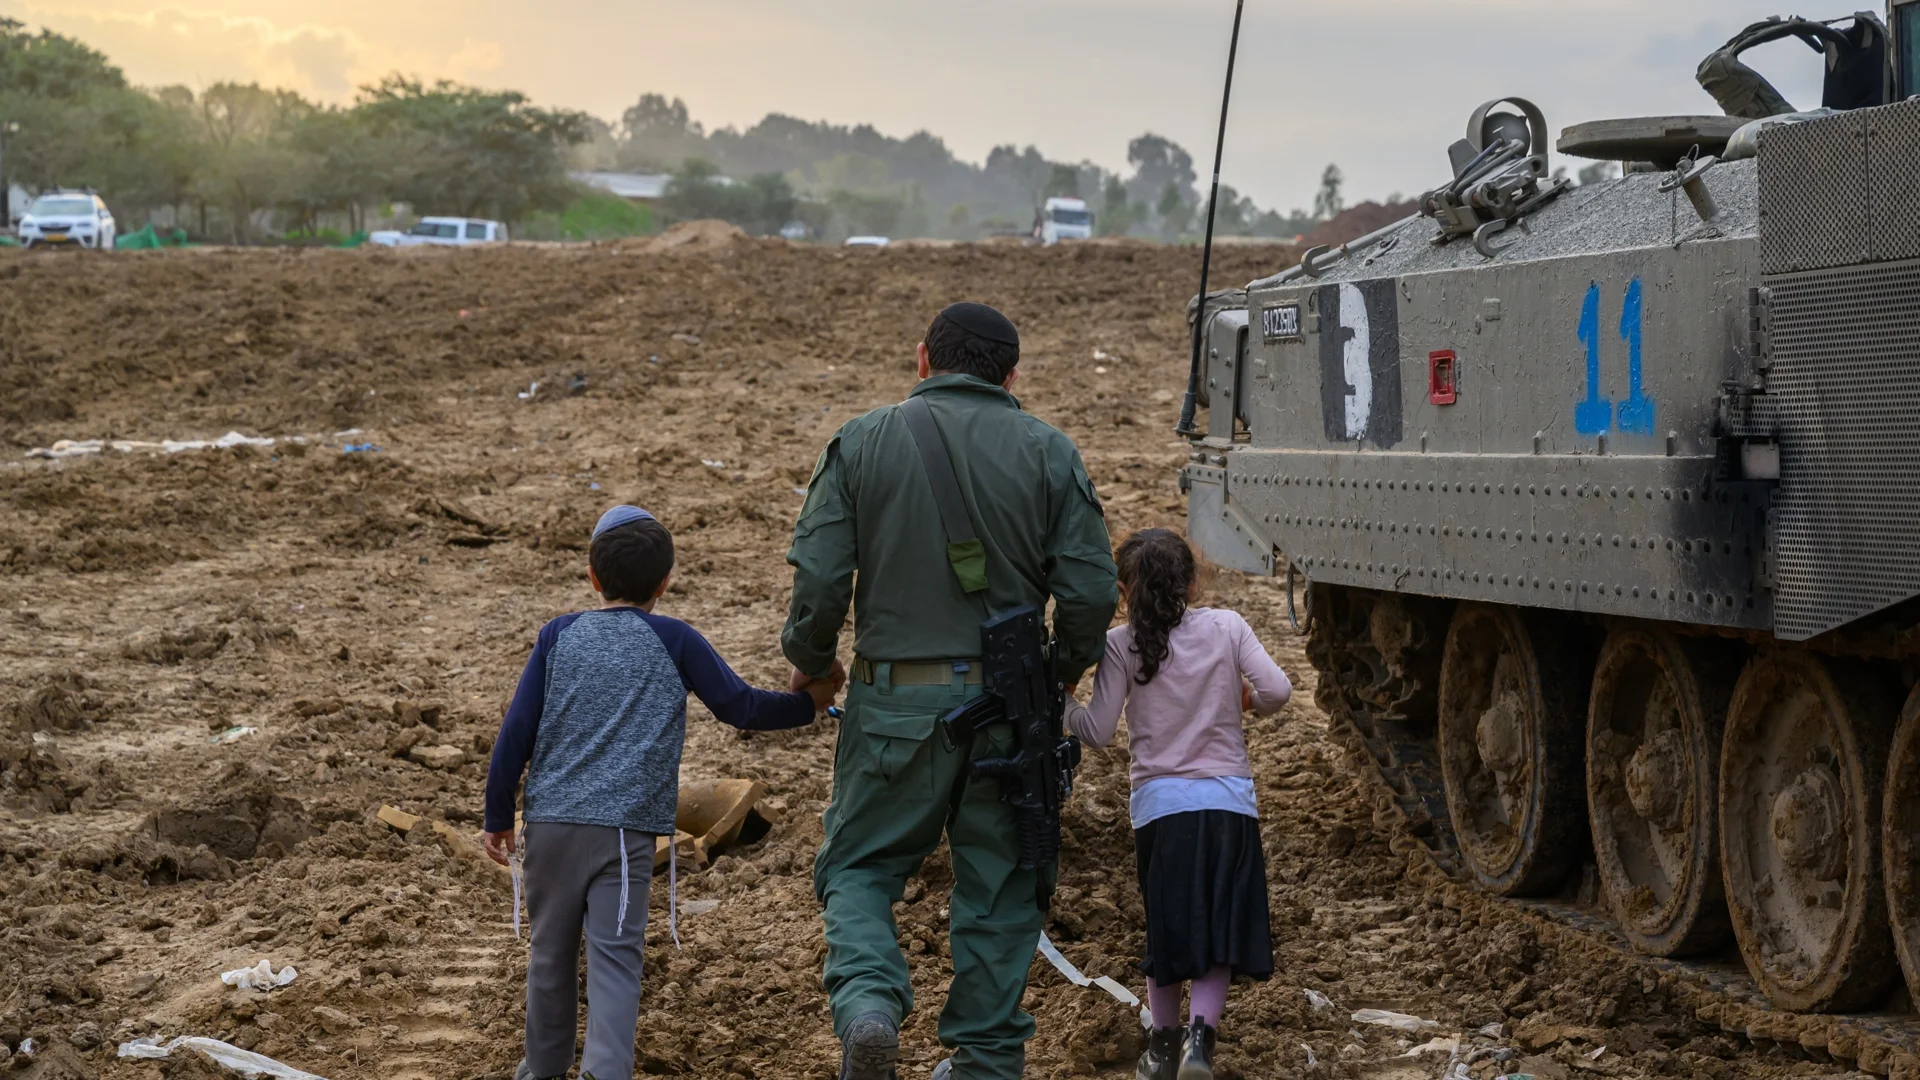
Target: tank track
<point>1400,761</point>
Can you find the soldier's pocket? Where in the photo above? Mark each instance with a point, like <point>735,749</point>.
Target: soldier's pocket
<point>892,737</point>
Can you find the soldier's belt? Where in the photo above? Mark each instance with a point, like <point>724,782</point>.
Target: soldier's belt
<point>917,672</point>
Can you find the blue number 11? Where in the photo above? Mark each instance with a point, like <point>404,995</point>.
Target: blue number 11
<point>1594,415</point>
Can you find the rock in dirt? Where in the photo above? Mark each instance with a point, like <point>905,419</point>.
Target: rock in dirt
<point>236,822</point>
<point>332,1020</point>
<point>438,757</point>
<point>59,704</point>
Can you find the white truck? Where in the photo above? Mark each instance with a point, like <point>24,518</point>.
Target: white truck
<point>443,232</point>
<point>1064,219</point>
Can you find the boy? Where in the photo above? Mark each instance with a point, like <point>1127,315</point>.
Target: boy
<point>601,715</point>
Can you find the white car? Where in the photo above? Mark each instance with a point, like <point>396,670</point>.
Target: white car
<point>443,232</point>
<point>62,218</point>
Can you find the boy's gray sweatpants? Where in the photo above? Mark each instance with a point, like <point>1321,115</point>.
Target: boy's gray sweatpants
<point>573,883</point>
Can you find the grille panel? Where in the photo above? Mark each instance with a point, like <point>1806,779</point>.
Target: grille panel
<point>1846,373</point>
<point>1893,181</point>
<point>1813,195</point>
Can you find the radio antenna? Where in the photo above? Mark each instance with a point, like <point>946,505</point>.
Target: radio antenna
<point>1192,399</point>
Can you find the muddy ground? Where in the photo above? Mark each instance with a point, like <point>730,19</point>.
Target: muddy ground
<point>367,613</point>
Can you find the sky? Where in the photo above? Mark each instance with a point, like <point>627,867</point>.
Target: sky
<point>1379,87</point>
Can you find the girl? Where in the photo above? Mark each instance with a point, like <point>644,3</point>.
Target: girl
<point>1184,675</point>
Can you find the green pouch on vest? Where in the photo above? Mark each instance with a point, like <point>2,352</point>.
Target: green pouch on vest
<point>965,552</point>
<point>969,559</point>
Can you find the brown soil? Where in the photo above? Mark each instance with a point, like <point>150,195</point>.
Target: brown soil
<point>355,608</point>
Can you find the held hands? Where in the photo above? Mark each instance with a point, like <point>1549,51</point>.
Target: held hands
<point>1246,696</point>
<point>499,846</point>
<point>823,690</point>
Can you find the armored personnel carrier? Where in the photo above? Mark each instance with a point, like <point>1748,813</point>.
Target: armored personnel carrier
<point>1607,504</point>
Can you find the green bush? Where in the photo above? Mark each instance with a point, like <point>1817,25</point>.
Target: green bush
<point>594,216</point>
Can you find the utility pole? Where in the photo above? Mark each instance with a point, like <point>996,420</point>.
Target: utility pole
<point>7,127</point>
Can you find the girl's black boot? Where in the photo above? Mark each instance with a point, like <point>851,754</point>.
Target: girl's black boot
<point>1196,1063</point>
<point>1161,1058</point>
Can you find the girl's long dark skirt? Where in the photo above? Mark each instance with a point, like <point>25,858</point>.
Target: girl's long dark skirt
<point>1203,877</point>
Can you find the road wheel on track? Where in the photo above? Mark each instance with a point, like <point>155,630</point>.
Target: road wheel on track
<point>1801,767</point>
<point>1512,711</point>
<point>1900,841</point>
<point>1653,762</point>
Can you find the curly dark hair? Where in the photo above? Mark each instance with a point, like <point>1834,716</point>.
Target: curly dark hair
<point>1157,568</point>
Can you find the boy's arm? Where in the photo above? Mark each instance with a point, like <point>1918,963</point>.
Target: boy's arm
<point>724,693</point>
<point>514,746</point>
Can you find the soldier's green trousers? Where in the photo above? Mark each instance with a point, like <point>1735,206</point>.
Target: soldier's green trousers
<point>896,786</point>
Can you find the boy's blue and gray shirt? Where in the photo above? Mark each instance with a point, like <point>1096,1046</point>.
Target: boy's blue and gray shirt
<point>601,717</point>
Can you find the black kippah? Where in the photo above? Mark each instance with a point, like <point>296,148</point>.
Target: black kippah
<point>982,321</point>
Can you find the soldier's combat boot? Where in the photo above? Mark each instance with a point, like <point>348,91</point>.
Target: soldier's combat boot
<point>1196,1063</point>
<point>943,1071</point>
<point>523,1071</point>
<point>1162,1055</point>
<point>870,1048</point>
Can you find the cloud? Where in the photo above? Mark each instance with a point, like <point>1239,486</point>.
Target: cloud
<point>196,47</point>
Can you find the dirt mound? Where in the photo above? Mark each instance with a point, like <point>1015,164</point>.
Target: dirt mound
<point>1357,221</point>
<point>706,234</point>
<point>219,663</point>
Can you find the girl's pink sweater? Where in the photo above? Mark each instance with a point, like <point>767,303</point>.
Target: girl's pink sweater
<point>1186,722</point>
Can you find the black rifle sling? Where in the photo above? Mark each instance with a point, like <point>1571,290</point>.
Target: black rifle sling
<point>939,467</point>
<point>964,550</point>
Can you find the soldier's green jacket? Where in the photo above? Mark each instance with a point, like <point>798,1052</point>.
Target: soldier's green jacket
<point>869,504</point>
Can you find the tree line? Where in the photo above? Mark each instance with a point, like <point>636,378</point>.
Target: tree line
<point>854,179</point>
<point>242,163</point>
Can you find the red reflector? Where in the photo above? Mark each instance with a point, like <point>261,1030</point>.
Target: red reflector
<point>1440,377</point>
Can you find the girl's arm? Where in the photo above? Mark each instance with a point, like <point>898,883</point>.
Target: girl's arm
<point>1096,723</point>
<point>1271,688</point>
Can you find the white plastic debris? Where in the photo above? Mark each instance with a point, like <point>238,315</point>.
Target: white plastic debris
<point>26,1048</point>
<point>1495,1030</point>
<point>532,389</point>
<point>1317,999</point>
<point>1435,1045</point>
<point>712,464</point>
<point>1073,975</point>
<point>245,1062</point>
<point>66,448</point>
<point>1595,1056</point>
<point>232,734</point>
<point>1398,1020</point>
<point>261,976</point>
<point>1311,1059</point>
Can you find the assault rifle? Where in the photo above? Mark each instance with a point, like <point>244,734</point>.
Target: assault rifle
<point>1022,689</point>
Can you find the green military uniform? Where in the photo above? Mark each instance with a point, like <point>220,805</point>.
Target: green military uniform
<point>896,785</point>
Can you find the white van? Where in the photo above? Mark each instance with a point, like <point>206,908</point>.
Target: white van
<point>443,232</point>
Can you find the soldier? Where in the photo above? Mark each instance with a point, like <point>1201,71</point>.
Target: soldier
<point>872,533</point>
